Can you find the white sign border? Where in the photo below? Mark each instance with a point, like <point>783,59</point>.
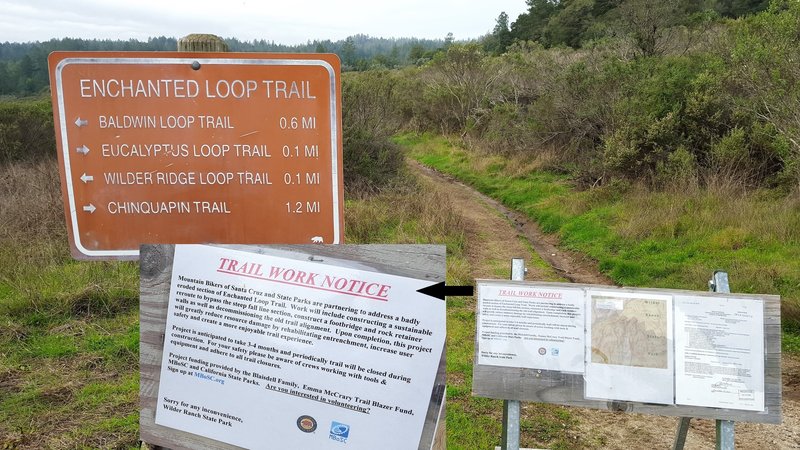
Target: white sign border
<point>73,211</point>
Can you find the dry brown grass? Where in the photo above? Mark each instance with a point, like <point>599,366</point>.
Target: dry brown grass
<point>68,372</point>
<point>517,162</point>
<point>411,212</point>
<point>731,216</point>
<point>32,223</point>
<point>407,213</point>
<point>30,198</point>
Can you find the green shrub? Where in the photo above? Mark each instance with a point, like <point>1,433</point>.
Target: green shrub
<point>26,130</point>
<point>680,169</point>
<point>723,107</point>
<point>730,152</point>
<point>764,56</point>
<point>370,160</point>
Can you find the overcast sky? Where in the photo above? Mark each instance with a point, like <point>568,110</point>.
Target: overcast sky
<point>284,21</point>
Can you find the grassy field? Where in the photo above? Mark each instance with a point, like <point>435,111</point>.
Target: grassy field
<point>69,330</point>
<point>670,239</point>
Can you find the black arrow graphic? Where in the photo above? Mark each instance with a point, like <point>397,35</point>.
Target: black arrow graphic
<point>440,291</point>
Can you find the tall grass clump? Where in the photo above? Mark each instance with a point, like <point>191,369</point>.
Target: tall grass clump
<point>65,326</point>
<point>409,214</point>
<point>37,273</point>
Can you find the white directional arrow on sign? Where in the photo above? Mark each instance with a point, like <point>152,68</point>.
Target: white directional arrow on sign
<point>86,178</point>
<point>90,209</point>
<point>82,149</point>
<point>81,122</point>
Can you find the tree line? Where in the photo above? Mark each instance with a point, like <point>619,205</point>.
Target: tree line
<point>705,96</point>
<point>576,23</point>
<point>23,66</point>
<point>551,23</point>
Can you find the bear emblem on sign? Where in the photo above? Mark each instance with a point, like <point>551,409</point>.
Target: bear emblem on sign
<point>317,239</point>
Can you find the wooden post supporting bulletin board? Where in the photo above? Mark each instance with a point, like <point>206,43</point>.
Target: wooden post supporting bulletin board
<point>653,351</point>
<point>264,375</point>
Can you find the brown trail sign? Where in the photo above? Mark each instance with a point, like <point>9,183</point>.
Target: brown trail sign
<point>197,147</point>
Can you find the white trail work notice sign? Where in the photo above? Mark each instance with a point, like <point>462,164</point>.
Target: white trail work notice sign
<point>268,352</point>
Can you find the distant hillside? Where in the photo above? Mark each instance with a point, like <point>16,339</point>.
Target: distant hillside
<point>23,66</point>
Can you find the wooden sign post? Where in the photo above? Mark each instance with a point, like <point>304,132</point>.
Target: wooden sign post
<point>197,147</point>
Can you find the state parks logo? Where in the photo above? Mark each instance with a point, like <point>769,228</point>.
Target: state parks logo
<point>306,424</point>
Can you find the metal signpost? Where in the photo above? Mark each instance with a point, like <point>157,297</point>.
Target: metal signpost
<point>511,408</point>
<point>725,428</point>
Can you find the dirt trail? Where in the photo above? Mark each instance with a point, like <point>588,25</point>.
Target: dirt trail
<point>568,265</point>
<point>495,234</point>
